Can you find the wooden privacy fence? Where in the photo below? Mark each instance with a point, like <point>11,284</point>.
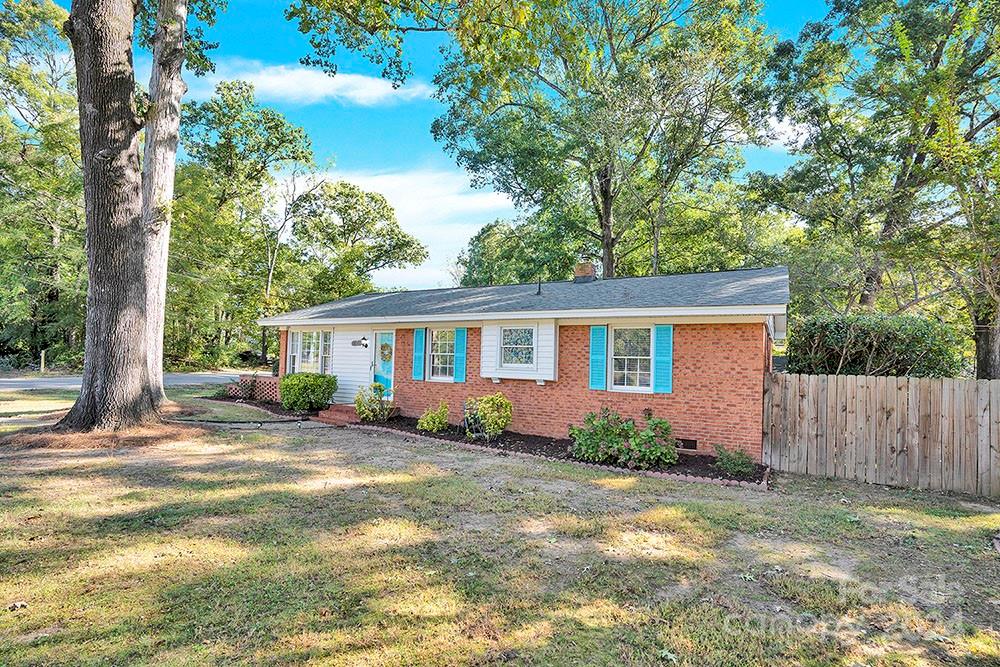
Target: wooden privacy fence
<point>925,433</point>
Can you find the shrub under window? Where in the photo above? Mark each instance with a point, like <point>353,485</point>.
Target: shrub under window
<point>307,391</point>
<point>434,420</point>
<point>606,437</point>
<point>487,416</point>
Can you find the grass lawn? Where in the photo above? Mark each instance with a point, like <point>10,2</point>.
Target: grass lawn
<point>331,546</point>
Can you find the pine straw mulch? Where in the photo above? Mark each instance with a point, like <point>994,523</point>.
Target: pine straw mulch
<point>50,436</point>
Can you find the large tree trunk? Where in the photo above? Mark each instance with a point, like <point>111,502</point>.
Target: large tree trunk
<point>166,89</point>
<point>605,217</point>
<point>116,390</point>
<point>987,339</point>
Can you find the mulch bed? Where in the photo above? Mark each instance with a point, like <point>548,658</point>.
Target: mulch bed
<point>693,465</point>
<point>273,408</point>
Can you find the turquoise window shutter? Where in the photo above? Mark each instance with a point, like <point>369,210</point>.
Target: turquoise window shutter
<point>663,362</point>
<point>460,338</point>
<point>418,353</point>
<point>598,357</point>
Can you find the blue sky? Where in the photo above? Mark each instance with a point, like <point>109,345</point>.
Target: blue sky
<point>380,138</point>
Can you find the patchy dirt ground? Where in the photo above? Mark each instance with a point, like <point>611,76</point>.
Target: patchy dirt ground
<point>321,545</point>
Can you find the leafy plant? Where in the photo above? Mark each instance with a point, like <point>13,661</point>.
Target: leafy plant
<point>606,437</point>
<point>371,403</point>
<point>434,420</point>
<point>307,391</point>
<point>735,463</point>
<point>487,416</point>
<point>874,344</point>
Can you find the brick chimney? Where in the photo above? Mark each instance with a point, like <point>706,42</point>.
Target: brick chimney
<point>584,272</point>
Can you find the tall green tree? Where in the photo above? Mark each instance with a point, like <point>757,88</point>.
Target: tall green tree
<point>623,105</point>
<point>867,85</point>
<point>42,287</point>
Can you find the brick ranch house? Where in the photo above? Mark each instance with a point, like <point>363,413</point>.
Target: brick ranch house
<point>693,348</point>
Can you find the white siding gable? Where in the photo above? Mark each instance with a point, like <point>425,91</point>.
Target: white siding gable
<point>546,352</point>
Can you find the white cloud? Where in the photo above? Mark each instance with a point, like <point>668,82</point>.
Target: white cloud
<point>438,207</point>
<point>785,134</point>
<point>295,84</point>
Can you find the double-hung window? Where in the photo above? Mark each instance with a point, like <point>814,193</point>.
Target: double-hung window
<point>442,354</point>
<point>517,347</point>
<point>310,352</point>
<point>632,359</point>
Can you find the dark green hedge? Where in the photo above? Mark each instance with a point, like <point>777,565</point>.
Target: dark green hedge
<point>874,344</point>
<point>307,391</point>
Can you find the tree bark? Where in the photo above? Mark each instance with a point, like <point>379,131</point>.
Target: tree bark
<point>605,217</point>
<point>166,89</point>
<point>116,390</point>
<point>987,339</point>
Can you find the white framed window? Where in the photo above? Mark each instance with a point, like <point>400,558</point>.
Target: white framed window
<point>310,352</point>
<point>517,347</point>
<point>294,340</point>
<point>326,354</point>
<point>441,354</point>
<point>632,359</point>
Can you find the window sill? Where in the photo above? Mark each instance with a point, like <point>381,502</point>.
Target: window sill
<point>441,379</point>
<point>632,390</point>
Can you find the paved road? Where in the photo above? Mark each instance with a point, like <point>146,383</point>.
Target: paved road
<point>73,381</point>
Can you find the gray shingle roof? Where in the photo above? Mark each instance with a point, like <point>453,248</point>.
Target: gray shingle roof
<point>744,287</point>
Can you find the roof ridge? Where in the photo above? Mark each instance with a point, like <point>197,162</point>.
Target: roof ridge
<point>559,282</point>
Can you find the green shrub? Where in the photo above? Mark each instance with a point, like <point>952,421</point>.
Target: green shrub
<point>735,463</point>
<point>487,416</point>
<point>434,421</point>
<point>606,437</point>
<point>371,404</point>
<point>874,344</point>
<point>307,391</point>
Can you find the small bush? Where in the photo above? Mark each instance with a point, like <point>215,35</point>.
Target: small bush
<point>874,344</point>
<point>307,391</point>
<point>487,416</point>
<point>606,437</point>
<point>434,420</point>
<point>371,404</point>
<point>736,463</point>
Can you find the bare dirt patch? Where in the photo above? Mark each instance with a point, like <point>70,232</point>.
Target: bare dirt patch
<point>50,437</point>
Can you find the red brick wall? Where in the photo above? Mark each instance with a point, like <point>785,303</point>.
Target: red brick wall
<point>282,352</point>
<point>717,386</point>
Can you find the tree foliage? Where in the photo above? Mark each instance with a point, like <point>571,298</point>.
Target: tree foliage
<point>873,344</point>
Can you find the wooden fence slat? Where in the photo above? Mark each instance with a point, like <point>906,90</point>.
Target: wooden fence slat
<point>983,485</point>
<point>970,474</point>
<point>911,436</point>
<point>817,428</point>
<point>924,386</point>
<point>801,422</point>
<point>781,412</point>
<point>850,427</point>
<point>861,403</point>
<point>768,420</point>
<point>947,434</point>
<point>995,436</point>
<point>941,403</point>
<point>896,469</point>
<point>833,426</point>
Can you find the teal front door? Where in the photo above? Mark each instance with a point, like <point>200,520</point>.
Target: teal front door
<point>385,352</point>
